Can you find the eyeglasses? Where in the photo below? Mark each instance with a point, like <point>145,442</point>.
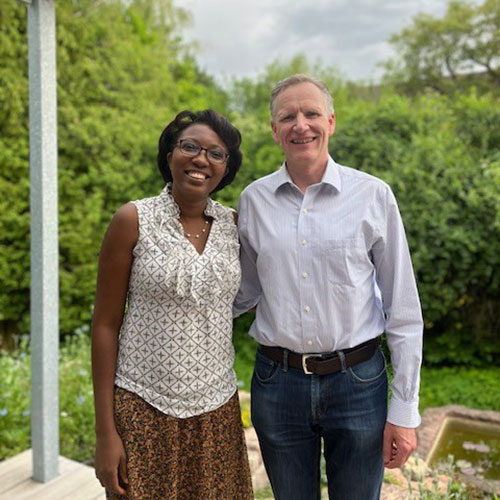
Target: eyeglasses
<point>192,148</point>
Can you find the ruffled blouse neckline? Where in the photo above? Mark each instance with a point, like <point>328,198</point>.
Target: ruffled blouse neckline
<point>185,270</point>
<point>212,208</point>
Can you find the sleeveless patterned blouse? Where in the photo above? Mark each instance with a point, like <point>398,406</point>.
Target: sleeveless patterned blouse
<point>175,345</point>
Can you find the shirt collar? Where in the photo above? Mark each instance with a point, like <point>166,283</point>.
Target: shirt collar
<point>331,176</point>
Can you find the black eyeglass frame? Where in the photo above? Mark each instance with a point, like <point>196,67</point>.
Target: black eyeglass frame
<point>200,149</point>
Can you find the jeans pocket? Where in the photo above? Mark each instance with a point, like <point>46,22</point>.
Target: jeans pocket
<point>369,370</point>
<point>265,369</point>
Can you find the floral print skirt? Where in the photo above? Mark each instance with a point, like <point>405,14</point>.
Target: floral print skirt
<point>197,458</point>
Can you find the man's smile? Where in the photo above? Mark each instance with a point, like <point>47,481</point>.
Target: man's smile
<point>303,141</point>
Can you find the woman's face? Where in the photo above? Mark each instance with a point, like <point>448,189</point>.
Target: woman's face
<point>197,172</point>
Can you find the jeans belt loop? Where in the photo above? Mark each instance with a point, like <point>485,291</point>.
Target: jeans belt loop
<point>341,356</point>
<point>284,363</point>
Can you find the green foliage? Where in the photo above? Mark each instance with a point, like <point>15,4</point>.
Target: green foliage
<point>456,489</point>
<point>388,478</point>
<point>449,53</point>
<point>264,494</point>
<point>249,102</point>
<point>76,417</point>
<point>14,186</point>
<point>440,156</point>
<point>471,387</point>
<point>245,348</point>
<point>117,88</point>
<point>14,403</point>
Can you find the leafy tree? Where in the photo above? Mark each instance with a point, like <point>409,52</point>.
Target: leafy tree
<point>123,73</point>
<point>452,52</point>
<point>117,89</point>
<point>440,156</point>
<point>249,103</point>
<point>14,185</point>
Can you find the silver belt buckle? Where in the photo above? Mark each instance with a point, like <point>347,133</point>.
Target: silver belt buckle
<point>304,359</point>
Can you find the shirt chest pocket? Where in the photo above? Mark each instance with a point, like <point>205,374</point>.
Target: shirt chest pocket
<point>346,262</point>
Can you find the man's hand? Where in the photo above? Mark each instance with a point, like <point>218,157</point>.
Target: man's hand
<point>399,444</point>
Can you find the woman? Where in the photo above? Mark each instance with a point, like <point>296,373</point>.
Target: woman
<point>168,421</point>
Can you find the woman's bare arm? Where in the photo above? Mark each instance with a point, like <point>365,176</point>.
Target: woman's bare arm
<point>115,261</point>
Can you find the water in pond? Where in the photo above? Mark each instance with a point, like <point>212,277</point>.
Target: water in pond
<point>474,445</point>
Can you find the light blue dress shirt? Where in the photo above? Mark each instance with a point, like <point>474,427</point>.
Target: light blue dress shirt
<point>330,269</point>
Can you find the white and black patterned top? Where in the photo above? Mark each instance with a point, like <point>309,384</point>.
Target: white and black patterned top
<point>175,346</point>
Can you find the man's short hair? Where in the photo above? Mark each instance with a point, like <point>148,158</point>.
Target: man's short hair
<point>295,80</point>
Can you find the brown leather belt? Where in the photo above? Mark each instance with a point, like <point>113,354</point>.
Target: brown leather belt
<point>322,364</point>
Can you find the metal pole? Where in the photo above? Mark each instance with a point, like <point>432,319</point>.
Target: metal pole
<point>44,246</point>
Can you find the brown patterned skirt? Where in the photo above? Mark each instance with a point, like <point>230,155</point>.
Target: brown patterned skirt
<point>197,458</point>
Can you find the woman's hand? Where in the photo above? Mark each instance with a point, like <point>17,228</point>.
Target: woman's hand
<point>111,463</point>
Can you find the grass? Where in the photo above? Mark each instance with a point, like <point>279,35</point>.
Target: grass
<point>263,494</point>
<point>76,415</point>
<point>475,388</point>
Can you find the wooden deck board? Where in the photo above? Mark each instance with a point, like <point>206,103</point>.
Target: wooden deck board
<point>14,471</point>
<point>76,481</point>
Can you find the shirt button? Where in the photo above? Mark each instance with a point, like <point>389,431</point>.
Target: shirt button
<point>307,309</point>
<point>304,210</point>
<point>304,243</point>
<point>305,275</point>
<point>309,342</point>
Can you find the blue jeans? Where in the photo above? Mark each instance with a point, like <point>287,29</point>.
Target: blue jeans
<point>292,412</point>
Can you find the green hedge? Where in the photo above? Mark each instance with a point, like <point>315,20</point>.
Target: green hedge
<point>440,154</point>
<point>116,90</point>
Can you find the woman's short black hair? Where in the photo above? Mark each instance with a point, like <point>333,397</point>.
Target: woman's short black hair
<point>229,135</point>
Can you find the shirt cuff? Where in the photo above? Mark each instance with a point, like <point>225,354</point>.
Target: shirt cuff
<point>403,413</point>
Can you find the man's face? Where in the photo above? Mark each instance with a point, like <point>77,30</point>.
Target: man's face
<point>302,125</point>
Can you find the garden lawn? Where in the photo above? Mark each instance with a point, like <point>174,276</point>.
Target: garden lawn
<point>472,387</point>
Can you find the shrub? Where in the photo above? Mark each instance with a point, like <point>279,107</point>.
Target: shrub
<point>14,403</point>
<point>471,387</point>
<point>440,156</point>
<point>76,417</point>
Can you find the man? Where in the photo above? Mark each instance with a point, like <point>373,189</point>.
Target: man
<point>325,259</point>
